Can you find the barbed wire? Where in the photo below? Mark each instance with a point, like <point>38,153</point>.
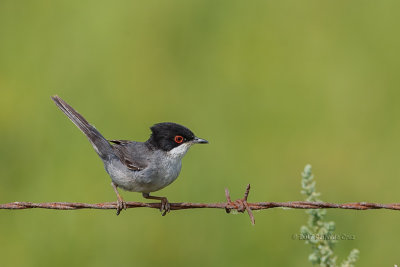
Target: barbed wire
<point>239,205</point>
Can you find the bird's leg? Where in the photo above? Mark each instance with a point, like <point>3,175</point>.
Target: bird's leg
<point>121,204</point>
<point>165,206</point>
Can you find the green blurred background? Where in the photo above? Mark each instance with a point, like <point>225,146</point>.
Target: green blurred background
<point>272,86</point>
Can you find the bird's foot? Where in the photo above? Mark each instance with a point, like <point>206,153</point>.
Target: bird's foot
<point>165,206</point>
<point>121,204</point>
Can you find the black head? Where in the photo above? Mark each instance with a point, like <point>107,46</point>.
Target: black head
<point>168,135</point>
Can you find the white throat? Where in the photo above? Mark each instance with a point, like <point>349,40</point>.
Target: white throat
<point>179,151</point>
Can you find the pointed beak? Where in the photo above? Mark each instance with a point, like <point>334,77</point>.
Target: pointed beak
<point>199,141</point>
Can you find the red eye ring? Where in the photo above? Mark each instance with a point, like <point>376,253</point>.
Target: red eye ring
<point>178,139</point>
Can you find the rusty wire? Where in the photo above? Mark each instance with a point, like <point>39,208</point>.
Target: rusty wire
<point>239,205</point>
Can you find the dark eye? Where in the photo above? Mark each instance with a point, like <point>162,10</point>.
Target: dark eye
<point>178,139</point>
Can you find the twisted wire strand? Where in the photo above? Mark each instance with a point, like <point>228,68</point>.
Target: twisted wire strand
<point>239,205</point>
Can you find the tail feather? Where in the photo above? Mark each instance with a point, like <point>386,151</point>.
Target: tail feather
<point>100,144</point>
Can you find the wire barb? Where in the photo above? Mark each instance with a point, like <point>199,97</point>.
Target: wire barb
<point>239,205</point>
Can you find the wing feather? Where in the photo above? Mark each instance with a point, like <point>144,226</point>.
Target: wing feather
<point>132,154</point>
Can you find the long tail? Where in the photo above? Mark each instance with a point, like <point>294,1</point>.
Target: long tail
<point>99,143</point>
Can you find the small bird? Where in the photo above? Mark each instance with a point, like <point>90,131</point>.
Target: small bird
<point>143,167</point>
